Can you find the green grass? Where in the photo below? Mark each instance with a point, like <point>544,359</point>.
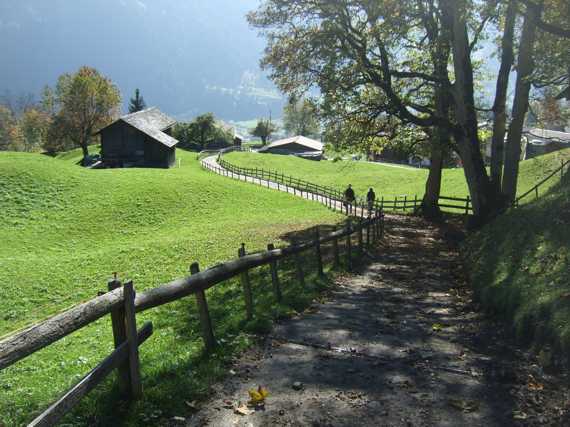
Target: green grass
<point>387,180</point>
<point>519,267</point>
<point>65,230</point>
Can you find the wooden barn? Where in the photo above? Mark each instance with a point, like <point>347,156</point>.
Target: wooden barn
<point>139,139</point>
<point>300,146</point>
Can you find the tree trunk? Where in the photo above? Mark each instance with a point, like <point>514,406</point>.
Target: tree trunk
<point>85,151</point>
<point>440,139</point>
<point>467,138</point>
<point>525,67</point>
<point>499,107</point>
<point>430,208</point>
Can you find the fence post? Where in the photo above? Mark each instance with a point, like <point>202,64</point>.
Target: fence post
<point>246,286</point>
<point>360,238</point>
<point>348,245</point>
<point>119,336</point>
<point>318,252</point>
<point>405,202</point>
<point>415,202</point>
<point>536,191</point>
<point>368,230</point>
<point>274,276</point>
<point>132,340</point>
<point>375,227</point>
<point>336,258</point>
<point>205,321</point>
<point>299,266</point>
<point>467,206</point>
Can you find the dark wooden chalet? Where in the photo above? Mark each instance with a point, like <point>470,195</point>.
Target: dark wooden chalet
<point>139,139</point>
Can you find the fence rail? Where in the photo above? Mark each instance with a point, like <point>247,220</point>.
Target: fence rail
<point>534,190</point>
<point>333,196</point>
<point>122,304</point>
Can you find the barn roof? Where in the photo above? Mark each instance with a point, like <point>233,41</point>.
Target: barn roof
<point>151,122</point>
<point>548,134</point>
<point>299,139</point>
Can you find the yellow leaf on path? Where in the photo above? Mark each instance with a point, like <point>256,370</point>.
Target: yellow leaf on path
<point>258,396</point>
<point>436,327</point>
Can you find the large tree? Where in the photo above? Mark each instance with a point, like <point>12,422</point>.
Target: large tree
<point>202,132</point>
<point>300,117</point>
<point>402,50</point>
<point>84,103</point>
<point>34,125</point>
<point>263,129</point>
<point>10,137</point>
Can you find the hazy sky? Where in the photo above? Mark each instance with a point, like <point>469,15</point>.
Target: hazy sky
<point>186,55</point>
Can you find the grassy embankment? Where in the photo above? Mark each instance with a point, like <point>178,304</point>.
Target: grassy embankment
<point>387,180</point>
<point>65,230</point>
<point>519,267</point>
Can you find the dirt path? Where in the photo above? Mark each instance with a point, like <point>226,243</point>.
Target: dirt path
<point>398,343</point>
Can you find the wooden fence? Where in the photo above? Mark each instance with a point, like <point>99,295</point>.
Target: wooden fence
<point>122,304</point>
<point>332,196</point>
<point>535,190</point>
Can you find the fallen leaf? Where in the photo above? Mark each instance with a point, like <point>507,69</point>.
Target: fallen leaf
<point>243,410</point>
<point>519,415</point>
<point>258,396</point>
<point>534,385</point>
<point>192,405</point>
<point>464,405</point>
<point>436,327</point>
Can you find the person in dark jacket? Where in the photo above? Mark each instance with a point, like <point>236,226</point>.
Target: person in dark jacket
<point>349,198</point>
<point>370,198</point>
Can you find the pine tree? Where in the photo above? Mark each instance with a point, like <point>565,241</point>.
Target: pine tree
<point>137,103</point>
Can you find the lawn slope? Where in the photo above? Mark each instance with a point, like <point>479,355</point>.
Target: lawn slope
<point>65,230</point>
<point>388,180</point>
<point>519,268</point>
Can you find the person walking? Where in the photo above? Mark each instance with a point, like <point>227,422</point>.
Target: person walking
<point>349,198</point>
<point>370,198</point>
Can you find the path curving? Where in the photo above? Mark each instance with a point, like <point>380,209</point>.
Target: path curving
<point>397,343</point>
<point>212,164</point>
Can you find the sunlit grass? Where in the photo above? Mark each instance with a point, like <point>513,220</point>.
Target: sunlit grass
<point>65,230</point>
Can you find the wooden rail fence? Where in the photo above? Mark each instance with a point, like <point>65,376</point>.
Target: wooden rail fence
<point>332,197</point>
<point>122,303</point>
<point>534,190</point>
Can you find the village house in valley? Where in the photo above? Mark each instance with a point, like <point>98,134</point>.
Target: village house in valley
<point>139,139</point>
<point>300,146</point>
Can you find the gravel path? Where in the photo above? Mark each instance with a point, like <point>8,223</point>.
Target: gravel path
<point>397,343</point>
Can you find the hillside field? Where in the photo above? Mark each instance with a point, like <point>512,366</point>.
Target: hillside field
<point>388,180</point>
<point>65,230</point>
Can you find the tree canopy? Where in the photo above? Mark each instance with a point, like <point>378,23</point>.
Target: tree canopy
<point>300,117</point>
<point>136,103</point>
<point>84,102</point>
<point>415,62</point>
<point>201,133</point>
<point>263,129</point>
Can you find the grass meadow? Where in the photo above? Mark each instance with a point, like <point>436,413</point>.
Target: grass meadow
<point>65,230</point>
<point>388,180</point>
